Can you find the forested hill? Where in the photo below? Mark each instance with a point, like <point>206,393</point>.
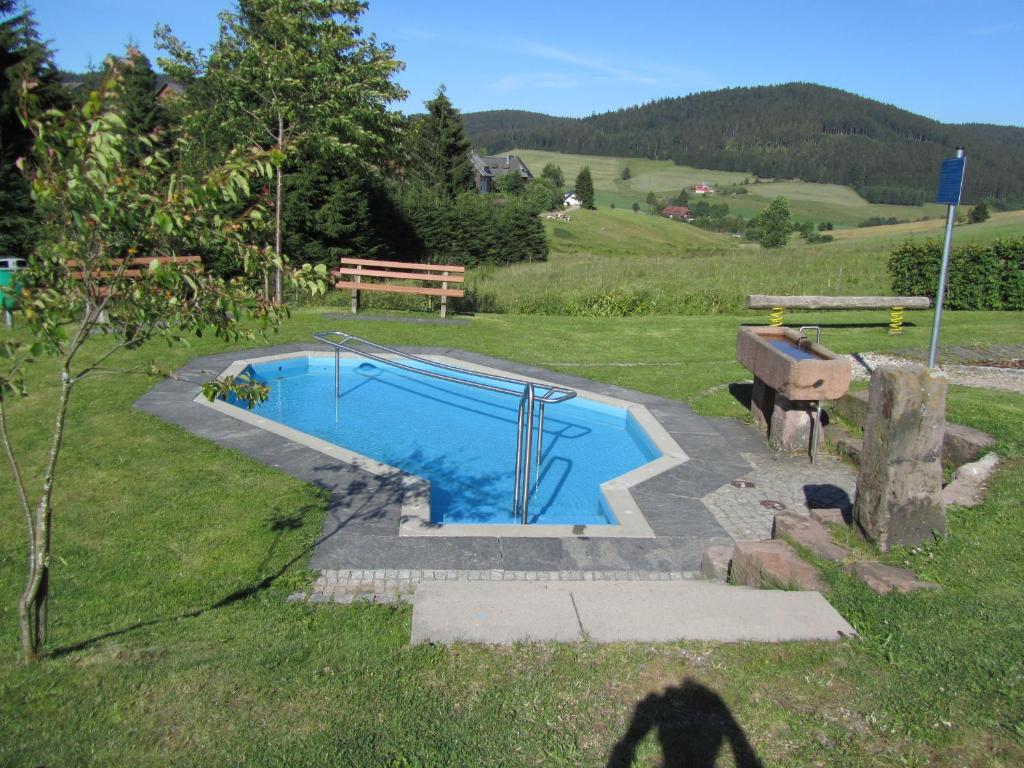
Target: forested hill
<point>797,130</point>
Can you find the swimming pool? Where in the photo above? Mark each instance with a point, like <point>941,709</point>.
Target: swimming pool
<point>461,439</point>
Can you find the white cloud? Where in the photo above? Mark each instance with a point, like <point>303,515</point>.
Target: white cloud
<point>551,53</point>
<point>517,81</point>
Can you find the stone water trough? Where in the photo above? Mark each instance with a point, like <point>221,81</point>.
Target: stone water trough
<point>792,374</point>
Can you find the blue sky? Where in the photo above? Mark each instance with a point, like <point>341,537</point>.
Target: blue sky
<point>952,61</point>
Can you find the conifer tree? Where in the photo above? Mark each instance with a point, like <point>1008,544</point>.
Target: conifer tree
<point>439,150</point>
<point>138,105</point>
<point>585,187</point>
<point>553,173</point>
<point>23,57</point>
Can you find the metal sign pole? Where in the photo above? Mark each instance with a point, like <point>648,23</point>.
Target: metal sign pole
<point>950,187</point>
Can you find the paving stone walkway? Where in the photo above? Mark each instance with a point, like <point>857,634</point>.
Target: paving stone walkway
<point>360,553</point>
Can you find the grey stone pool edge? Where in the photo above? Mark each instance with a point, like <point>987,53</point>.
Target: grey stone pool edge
<point>361,529</point>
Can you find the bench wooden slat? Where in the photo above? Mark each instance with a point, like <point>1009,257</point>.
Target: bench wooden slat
<point>400,275</point>
<point>403,265</point>
<point>759,301</point>
<point>144,261</point>
<point>388,288</point>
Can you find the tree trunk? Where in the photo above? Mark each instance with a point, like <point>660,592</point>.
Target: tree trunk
<point>277,213</point>
<point>32,607</point>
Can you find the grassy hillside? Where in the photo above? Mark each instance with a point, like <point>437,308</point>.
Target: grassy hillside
<point>810,202</point>
<point>613,262</point>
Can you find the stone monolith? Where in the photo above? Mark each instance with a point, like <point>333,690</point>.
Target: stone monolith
<point>899,489</point>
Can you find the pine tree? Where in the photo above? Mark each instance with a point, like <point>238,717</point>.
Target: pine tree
<point>438,148</point>
<point>23,57</point>
<point>585,187</point>
<point>980,213</point>
<point>553,173</point>
<point>138,105</point>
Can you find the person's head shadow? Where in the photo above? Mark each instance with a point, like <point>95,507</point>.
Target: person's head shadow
<point>692,724</point>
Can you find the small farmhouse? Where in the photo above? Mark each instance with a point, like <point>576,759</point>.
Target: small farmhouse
<point>677,212</point>
<point>703,189</point>
<point>487,169</point>
<point>570,199</point>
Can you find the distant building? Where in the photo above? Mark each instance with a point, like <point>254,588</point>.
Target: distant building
<point>703,189</point>
<point>170,90</point>
<point>487,169</point>
<point>677,212</point>
<point>569,198</point>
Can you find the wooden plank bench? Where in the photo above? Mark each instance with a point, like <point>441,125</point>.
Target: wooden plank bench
<point>354,271</point>
<point>134,268</point>
<point>895,304</point>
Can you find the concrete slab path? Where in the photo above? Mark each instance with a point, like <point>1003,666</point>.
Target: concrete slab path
<point>610,612</point>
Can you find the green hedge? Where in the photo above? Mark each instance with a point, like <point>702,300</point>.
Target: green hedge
<point>980,276</point>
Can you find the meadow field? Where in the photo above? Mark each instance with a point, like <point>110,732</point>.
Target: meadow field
<point>615,262</point>
<point>809,202</point>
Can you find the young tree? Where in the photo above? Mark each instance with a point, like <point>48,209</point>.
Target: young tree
<point>979,213</point>
<point>636,207</point>
<point>652,203</point>
<point>626,174</point>
<point>585,187</point>
<point>438,150</point>
<point>98,208</point>
<point>287,75</point>
<point>553,174</point>
<point>774,224</point>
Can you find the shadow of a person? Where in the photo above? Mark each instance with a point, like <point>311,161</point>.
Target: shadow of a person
<point>692,724</point>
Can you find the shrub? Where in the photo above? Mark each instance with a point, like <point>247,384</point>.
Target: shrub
<point>980,276</point>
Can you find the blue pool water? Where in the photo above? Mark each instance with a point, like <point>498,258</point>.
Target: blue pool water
<point>460,438</point>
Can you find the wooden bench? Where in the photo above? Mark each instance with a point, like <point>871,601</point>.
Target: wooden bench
<point>895,304</point>
<point>134,268</point>
<point>354,272</point>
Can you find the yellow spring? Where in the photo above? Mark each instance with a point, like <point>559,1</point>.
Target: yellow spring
<point>775,316</point>
<point>896,321</point>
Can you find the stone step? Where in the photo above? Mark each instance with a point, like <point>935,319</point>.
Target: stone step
<point>884,579</point>
<point>611,612</point>
<point>772,565</point>
<point>964,444</point>
<point>810,534</point>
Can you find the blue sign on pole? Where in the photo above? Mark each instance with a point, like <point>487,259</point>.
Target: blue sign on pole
<point>951,181</point>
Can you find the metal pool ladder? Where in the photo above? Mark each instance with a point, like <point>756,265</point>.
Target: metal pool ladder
<point>533,396</point>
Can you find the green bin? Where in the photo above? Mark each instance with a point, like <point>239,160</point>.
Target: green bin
<point>9,267</point>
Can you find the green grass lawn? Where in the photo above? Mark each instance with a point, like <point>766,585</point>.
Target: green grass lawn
<point>613,262</point>
<point>172,642</point>
<point>808,201</point>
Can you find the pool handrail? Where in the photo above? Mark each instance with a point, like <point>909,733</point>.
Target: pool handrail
<point>553,394</point>
<point>528,397</point>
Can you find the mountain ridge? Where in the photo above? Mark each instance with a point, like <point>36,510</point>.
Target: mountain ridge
<point>794,130</point>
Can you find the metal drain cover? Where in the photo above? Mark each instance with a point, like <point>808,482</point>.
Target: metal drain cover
<point>743,483</point>
<point>778,506</point>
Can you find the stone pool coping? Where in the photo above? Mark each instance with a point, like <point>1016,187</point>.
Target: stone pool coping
<point>363,510</point>
<point>415,519</point>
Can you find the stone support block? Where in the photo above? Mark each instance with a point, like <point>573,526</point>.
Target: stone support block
<point>899,488</point>
<point>853,406</point>
<point>772,565</point>
<point>790,427</point>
